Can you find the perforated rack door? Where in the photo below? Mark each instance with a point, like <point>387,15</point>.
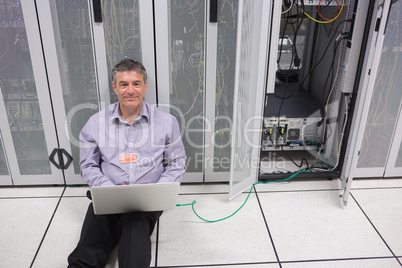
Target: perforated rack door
<point>27,124</point>
<point>250,80</point>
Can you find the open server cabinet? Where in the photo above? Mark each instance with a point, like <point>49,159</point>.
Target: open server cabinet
<point>316,54</point>
<point>310,90</point>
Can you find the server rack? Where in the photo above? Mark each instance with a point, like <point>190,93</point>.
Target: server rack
<point>310,92</point>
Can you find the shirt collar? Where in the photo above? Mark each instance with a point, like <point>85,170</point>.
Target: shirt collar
<point>144,113</point>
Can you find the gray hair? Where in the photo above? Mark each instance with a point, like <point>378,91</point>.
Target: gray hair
<point>129,65</point>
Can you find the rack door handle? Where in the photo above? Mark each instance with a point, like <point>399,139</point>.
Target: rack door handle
<point>213,10</point>
<point>97,7</point>
<point>60,152</point>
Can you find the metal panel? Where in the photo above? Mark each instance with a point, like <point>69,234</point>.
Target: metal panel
<point>101,74</point>
<point>180,43</point>
<point>385,102</point>
<point>29,133</point>
<point>371,63</point>
<point>210,84</point>
<point>5,177</point>
<point>398,162</point>
<point>163,57</point>
<point>394,163</point>
<point>126,32</point>
<point>69,53</point>
<point>148,48</point>
<point>273,55</point>
<point>250,81</point>
<point>220,77</point>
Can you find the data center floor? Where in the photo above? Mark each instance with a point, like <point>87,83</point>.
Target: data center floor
<point>300,223</point>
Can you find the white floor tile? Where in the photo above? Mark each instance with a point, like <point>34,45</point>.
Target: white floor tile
<point>376,183</point>
<point>64,233</point>
<point>312,225</point>
<point>31,191</point>
<point>384,209</point>
<point>300,185</point>
<point>368,263</point>
<point>76,191</point>
<point>186,240</point>
<point>23,223</point>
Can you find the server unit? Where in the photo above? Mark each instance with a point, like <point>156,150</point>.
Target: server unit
<point>293,120</point>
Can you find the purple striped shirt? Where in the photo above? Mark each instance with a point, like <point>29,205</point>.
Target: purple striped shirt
<point>153,141</point>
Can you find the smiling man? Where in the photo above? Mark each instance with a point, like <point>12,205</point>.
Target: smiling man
<point>130,87</point>
<point>129,142</point>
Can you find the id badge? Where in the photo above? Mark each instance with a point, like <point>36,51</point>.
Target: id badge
<point>128,158</point>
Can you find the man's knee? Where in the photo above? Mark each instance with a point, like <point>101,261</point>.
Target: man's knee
<point>140,221</point>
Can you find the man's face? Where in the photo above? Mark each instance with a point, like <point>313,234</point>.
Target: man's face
<point>130,90</point>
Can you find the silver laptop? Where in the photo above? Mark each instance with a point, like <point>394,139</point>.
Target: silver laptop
<point>136,197</point>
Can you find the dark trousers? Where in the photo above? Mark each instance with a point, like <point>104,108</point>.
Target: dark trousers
<point>101,233</point>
